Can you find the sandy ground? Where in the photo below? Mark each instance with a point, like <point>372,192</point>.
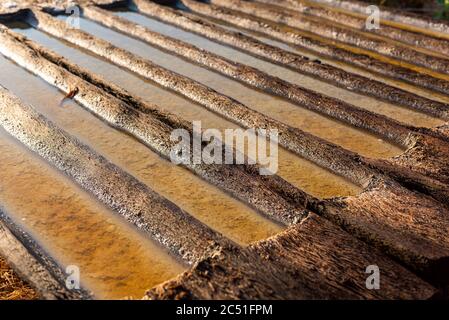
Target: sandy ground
<point>11,287</point>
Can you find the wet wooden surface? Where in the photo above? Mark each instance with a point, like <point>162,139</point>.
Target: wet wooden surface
<point>398,222</point>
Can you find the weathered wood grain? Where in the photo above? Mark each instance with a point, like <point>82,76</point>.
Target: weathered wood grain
<point>338,33</point>
<point>318,261</point>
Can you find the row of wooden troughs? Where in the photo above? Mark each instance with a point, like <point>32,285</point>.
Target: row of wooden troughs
<point>88,192</point>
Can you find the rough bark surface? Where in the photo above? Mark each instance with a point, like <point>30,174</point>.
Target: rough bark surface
<point>357,22</point>
<point>399,223</point>
<point>391,14</point>
<point>318,261</point>
<point>162,220</point>
<point>310,43</point>
<point>151,131</point>
<point>335,32</point>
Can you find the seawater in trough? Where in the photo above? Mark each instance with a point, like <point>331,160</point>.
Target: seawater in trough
<point>114,259</point>
<point>209,204</point>
<point>300,172</point>
<point>277,108</point>
<point>119,171</point>
<point>423,119</point>
<point>394,111</point>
